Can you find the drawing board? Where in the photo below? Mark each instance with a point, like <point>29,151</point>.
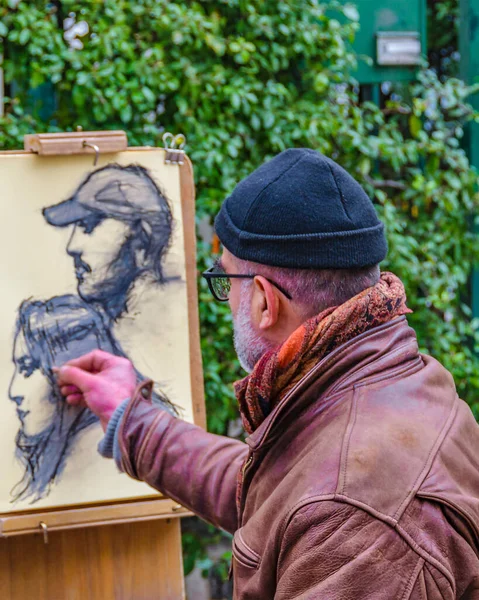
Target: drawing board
<point>93,257</point>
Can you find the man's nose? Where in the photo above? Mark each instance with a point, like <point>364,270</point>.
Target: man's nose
<point>74,243</point>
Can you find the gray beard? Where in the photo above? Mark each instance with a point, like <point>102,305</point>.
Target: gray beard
<point>249,345</point>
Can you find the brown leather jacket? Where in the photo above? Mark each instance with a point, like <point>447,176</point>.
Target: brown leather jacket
<point>362,483</point>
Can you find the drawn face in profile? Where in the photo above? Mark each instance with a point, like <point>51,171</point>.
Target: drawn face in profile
<point>48,334</point>
<point>122,226</point>
<point>102,256</point>
<point>30,389</point>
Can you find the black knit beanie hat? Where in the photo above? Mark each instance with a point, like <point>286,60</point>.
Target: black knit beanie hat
<point>301,210</point>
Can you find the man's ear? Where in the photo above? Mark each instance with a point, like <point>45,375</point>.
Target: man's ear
<point>267,303</point>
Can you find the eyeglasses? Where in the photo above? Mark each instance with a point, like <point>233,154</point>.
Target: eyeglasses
<point>220,284</point>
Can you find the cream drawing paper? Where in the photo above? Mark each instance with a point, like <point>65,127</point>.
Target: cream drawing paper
<point>93,257</point>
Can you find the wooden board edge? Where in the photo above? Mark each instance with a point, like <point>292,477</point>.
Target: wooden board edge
<point>76,142</point>
<point>23,152</point>
<point>187,192</point>
<point>92,516</point>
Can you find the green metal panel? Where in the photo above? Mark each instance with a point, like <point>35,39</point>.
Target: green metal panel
<point>39,102</point>
<point>469,49</point>
<point>387,15</point>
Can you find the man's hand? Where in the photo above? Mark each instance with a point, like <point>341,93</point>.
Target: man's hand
<point>98,380</point>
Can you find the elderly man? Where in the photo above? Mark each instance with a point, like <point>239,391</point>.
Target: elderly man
<point>360,475</point>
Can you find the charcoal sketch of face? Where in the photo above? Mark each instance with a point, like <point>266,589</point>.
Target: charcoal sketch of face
<point>49,333</point>
<point>121,229</point>
<point>30,389</point>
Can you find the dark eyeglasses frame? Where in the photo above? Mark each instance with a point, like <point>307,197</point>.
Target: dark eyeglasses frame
<point>213,273</point>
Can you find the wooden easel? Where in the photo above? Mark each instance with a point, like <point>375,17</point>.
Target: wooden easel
<point>125,550</point>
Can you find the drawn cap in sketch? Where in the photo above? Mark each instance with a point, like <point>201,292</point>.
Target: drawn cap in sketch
<point>114,191</point>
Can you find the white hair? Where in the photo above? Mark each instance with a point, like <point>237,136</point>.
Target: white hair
<point>314,290</point>
<point>249,344</point>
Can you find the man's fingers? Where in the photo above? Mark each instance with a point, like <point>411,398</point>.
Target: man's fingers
<point>94,361</point>
<point>67,390</point>
<point>75,377</point>
<point>76,400</point>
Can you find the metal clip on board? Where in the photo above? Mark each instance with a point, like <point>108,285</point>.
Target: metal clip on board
<point>44,527</point>
<point>174,145</point>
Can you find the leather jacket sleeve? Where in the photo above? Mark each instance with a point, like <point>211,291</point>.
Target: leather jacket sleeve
<point>197,469</point>
<point>335,551</point>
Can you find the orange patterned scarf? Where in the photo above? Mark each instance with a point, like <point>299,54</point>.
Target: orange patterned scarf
<point>279,370</point>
